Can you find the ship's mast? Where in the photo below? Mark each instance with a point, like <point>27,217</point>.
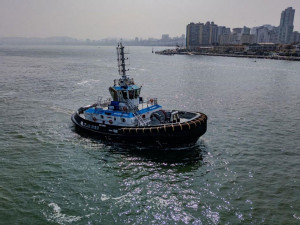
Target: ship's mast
<point>121,61</point>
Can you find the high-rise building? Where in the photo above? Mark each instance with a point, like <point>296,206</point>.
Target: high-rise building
<point>274,35</point>
<point>237,30</point>
<point>222,30</point>
<point>235,38</point>
<point>225,39</point>
<point>265,33</point>
<point>262,35</point>
<point>248,39</point>
<point>205,34</point>
<point>214,33</point>
<point>193,35</point>
<point>286,26</point>
<point>246,30</point>
<point>295,37</point>
<point>199,34</point>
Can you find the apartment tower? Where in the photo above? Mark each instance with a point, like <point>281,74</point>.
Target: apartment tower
<point>286,26</point>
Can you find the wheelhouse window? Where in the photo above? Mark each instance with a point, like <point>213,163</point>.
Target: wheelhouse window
<point>137,92</point>
<point>124,93</point>
<point>113,94</point>
<point>131,94</point>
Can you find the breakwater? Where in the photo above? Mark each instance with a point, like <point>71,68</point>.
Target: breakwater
<point>180,52</point>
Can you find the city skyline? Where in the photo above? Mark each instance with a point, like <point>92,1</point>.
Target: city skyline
<point>209,33</point>
<point>132,18</point>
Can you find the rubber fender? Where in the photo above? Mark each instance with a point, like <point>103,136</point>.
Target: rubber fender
<point>140,130</point>
<point>186,126</point>
<point>169,128</point>
<point>161,129</point>
<point>202,119</point>
<point>193,123</point>
<point>177,127</point>
<point>157,129</point>
<point>198,121</point>
<point>180,125</point>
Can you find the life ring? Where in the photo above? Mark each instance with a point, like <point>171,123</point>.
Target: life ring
<point>124,108</point>
<point>110,121</point>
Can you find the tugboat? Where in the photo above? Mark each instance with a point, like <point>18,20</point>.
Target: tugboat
<point>128,117</point>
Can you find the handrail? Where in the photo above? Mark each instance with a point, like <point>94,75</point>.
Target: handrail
<point>103,103</point>
<point>137,115</point>
<point>131,107</point>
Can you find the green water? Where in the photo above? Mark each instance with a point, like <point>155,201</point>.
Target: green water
<point>244,170</point>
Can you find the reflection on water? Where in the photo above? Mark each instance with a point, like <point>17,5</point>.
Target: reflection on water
<point>183,154</point>
<point>169,154</point>
<point>189,153</point>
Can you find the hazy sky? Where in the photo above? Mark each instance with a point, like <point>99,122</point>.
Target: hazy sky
<point>97,19</point>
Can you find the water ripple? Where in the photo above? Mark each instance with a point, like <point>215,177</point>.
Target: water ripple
<point>244,170</point>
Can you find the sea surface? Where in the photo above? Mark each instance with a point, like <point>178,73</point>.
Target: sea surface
<point>244,170</point>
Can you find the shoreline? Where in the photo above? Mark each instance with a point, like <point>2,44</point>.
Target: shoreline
<point>173,52</point>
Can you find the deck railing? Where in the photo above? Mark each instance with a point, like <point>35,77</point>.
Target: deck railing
<point>128,81</point>
<point>149,102</point>
<point>106,102</point>
<point>103,103</point>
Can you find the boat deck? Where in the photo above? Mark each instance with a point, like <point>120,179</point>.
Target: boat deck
<point>183,116</point>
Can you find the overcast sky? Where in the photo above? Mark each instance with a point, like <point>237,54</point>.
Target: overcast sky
<point>97,19</point>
